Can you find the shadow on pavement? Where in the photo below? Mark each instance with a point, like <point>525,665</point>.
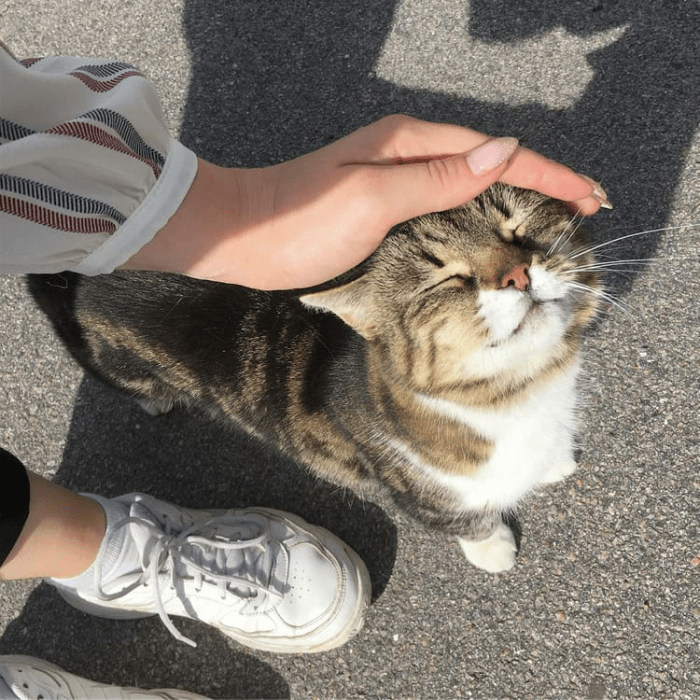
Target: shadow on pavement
<point>271,81</point>
<point>113,651</point>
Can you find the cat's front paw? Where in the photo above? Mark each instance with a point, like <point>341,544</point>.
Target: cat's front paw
<point>154,407</point>
<point>495,553</point>
<point>559,472</point>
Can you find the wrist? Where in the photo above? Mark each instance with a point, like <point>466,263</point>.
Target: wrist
<point>201,237</point>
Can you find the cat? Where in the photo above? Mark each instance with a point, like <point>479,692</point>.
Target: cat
<point>442,369</point>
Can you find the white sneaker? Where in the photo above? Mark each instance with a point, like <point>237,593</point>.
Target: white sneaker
<point>263,577</point>
<point>27,678</point>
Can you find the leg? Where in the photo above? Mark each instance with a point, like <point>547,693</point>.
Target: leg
<point>486,541</point>
<point>494,553</point>
<point>61,536</point>
<point>155,407</point>
<point>559,472</point>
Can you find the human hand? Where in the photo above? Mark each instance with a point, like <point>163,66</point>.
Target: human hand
<point>307,220</point>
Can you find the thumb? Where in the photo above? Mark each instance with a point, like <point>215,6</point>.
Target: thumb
<point>412,188</point>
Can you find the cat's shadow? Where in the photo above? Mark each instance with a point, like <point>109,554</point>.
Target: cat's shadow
<point>187,458</point>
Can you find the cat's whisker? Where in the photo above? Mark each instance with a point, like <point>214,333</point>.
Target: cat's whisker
<point>554,245</point>
<point>625,272</point>
<point>617,261</point>
<point>616,265</point>
<point>605,244</point>
<point>602,257</point>
<point>571,228</point>
<point>590,249</point>
<point>601,294</point>
<point>573,232</point>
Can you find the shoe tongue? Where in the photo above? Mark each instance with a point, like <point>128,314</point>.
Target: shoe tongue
<point>126,564</point>
<point>249,562</point>
<point>130,547</point>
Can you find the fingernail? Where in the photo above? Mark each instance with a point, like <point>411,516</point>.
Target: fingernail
<point>599,193</point>
<point>491,154</point>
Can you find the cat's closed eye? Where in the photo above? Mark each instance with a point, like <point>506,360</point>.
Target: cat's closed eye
<point>432,259</point>
<point>461,281</point>
<point>510,232</point>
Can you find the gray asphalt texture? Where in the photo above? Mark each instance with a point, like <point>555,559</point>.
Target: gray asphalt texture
<point>604,600</point>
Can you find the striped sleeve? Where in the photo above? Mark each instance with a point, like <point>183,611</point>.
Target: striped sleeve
<point>88,169</point>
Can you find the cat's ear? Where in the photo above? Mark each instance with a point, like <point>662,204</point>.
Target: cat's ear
<point>349,302</point>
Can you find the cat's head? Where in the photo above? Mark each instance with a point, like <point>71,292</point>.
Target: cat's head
<point>497,290</point>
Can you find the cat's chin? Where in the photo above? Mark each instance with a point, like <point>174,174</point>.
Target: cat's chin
<point>534,320</point>
<point>503,312</point>
<point>525,351</point>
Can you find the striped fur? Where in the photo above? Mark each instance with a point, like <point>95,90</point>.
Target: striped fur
<point>443,369</point>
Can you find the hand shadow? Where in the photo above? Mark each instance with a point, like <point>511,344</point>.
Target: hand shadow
<point>273,80</point>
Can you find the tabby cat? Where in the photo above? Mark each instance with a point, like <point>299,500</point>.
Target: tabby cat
<point>443,368</point>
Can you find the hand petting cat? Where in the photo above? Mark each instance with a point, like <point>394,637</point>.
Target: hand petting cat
<point>307,220</point>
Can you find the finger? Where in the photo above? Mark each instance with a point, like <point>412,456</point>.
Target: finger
<point>536,172</point>
<point>402,139</point>
<point>416,188</point>
<point>584,207</point>
<point>399,138</point>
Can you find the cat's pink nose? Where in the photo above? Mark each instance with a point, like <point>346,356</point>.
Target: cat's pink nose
<point>518,277</point>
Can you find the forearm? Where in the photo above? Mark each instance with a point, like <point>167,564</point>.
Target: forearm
<point>305,221</point>
<point>91,180</point>
<point>208,210</point>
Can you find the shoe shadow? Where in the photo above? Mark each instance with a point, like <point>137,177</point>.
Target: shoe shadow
<point>113,447</point>
<point>113,652</point>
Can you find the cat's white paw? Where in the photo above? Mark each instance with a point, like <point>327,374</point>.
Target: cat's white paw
<point>559,472</point>
<point>154,407</point>
<point>495,553</point>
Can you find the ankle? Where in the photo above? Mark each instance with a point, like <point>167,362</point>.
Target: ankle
<point>113,551</point>
<point>62,535</point>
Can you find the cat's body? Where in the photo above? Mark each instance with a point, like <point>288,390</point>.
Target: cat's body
<point>444,371</point>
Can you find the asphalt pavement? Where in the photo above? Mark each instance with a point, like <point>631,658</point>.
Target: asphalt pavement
<point>604,601</point>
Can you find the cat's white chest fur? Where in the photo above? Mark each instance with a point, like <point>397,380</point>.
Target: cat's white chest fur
<point>532,444</point>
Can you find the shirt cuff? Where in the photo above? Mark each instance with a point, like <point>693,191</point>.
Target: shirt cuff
<point>163,200</point>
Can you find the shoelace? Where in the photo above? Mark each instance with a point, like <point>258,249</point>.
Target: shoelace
<point>168,554</point>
